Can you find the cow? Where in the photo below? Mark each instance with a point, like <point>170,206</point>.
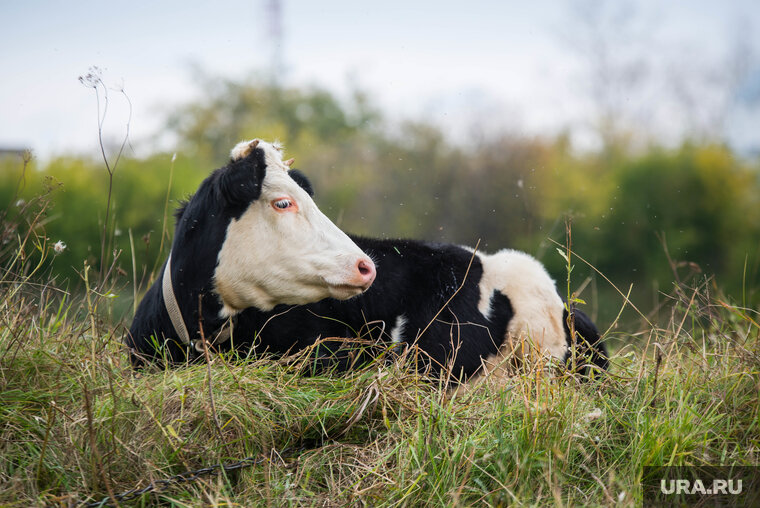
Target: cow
<point>256,267</point>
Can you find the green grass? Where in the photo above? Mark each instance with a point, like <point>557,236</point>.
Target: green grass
<point>76,423</point>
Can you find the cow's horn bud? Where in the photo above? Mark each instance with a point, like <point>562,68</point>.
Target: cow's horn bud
<point>289,162</point>
<point>253,144</point>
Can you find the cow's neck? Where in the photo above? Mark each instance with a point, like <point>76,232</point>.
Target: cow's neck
<point>199,233</point>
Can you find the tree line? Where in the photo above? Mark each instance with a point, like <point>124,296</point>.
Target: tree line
<point>641,217</point>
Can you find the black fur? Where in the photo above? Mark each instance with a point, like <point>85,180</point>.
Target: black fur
<point>415,280</point>
<point>302,181</point>
<point>199,234</point>
<point>435,287</point>
<point>585,351</point>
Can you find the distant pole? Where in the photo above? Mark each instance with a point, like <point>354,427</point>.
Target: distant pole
<point>274,34</point>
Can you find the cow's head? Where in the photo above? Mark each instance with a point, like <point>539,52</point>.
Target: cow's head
<point>279,248</point>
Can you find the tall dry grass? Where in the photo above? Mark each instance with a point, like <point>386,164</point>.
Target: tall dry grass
<point>77,424</point>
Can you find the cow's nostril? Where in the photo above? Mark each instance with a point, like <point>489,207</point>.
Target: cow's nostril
<point>366,271</point>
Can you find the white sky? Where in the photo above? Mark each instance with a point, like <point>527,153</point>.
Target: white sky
<point>481,63</point>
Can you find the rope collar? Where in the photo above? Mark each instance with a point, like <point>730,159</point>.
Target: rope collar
<point>178,322</point>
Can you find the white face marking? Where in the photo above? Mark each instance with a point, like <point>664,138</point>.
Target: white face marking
<point>538,309</point>
<point>284,250</point>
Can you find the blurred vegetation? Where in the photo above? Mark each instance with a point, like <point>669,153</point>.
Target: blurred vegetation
<point>641,217</point>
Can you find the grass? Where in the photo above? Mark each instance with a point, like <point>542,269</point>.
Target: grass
<point>77,424</point>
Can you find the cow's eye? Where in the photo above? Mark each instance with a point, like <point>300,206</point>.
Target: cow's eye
<point>283,203</point>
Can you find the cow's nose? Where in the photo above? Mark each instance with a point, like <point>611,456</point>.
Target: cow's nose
<point>366,272</point>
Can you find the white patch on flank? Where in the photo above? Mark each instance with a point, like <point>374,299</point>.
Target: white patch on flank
<point>397,332</point>
<point>537,307</point>
<point>484,305</point>
<point>272,257</point>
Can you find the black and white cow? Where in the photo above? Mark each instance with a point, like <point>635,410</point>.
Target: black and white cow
<point>256,266</point>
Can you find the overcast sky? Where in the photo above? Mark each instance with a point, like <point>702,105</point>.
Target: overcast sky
<point>522,66</point>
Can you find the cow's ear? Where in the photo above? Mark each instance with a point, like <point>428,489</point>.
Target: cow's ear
<point>302,181</point>
<point>239,183</point>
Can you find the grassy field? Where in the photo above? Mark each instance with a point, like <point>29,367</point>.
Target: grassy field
<point>77,424</point>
